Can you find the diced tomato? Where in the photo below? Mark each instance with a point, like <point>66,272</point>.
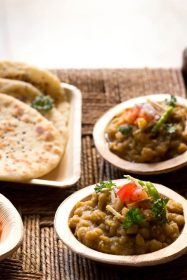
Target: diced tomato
<point>129,115</point>
<point>126,191</point>
<point>130,192</point>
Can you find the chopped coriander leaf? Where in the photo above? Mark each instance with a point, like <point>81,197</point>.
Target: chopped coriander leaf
<point>159,210</point>
<point>104,185</point>
<point>43,103</point>
<point>133,217</point>
<point>169,128</point>
<point>172,101</point>
<point>125,129</point>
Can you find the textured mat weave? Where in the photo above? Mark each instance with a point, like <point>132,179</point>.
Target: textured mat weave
<point>42,255</point>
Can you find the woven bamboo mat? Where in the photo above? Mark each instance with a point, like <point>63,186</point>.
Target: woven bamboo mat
<point>42,255</point>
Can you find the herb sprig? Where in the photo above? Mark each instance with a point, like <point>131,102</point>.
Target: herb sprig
<point>43,103</point>
<point>172,101</point>
<point>133,217</point>
<point>159,210</point>
<point>104,185</point>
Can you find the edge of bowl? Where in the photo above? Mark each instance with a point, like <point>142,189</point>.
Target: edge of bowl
<point>15,236</point>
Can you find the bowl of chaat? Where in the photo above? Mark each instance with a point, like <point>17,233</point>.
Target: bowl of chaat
<point>124,222</point>
<point>145,135</point>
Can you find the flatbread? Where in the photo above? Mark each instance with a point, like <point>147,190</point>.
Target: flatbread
<point>46,83</point>
<point>60,121</point>
<point>44,80</point>
<point>19,89</point>
<point>30,146</point>
<point>27,93</point>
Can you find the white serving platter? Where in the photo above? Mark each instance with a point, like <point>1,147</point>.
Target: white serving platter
<point>68,170</point>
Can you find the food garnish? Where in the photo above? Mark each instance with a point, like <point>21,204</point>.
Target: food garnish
<point>158,203</point>
<point>136,195</point>
<point>148,186</point>
<point>172,101</point>
<point>133,217</point>
<point>130,114</point>
<point>104,185</point>
<point>130,192</point>
<point>159,210</point>
<point>163,119</point>
<point>43,103</point>
<point>149,132</point>
<point>169,128</point>
<point>113,211</point>
<point>125,129</point>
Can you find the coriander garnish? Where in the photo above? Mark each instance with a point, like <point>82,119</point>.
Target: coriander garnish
<point>133,217</point>
<point>172,101</point>
<point>104,185</point>
<point>159,210</point>
<point>43,103</point>
<point>125,129</point>
<point>169,128</point>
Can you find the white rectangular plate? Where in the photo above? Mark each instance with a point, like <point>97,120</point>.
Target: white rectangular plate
<point>67,172</point>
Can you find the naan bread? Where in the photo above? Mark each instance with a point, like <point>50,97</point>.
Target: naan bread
<point>60,121</point>
<point>44,80</point>
<point>30,146</point>
<point>19,89</point>
<point>46,83</point>
<point>27,93</point>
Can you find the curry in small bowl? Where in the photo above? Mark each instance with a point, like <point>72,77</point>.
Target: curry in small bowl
<point>130,219</point>
<point>124,222</point>
<point>149,132</point>
<point>144,135</point>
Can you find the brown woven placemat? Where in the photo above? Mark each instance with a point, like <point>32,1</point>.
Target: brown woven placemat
<point>42,255</point>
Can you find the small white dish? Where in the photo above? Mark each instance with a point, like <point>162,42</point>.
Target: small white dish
<point>169,253</point>
<point>132,167</point>
<point>12,228</point>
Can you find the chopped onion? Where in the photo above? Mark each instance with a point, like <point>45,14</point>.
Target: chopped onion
<point>113,197</point>
<point>114,212</point>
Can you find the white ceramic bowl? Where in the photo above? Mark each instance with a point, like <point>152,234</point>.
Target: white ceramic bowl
<point>132,167</point>
<point>12,228</point>
<point>171,252</point>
